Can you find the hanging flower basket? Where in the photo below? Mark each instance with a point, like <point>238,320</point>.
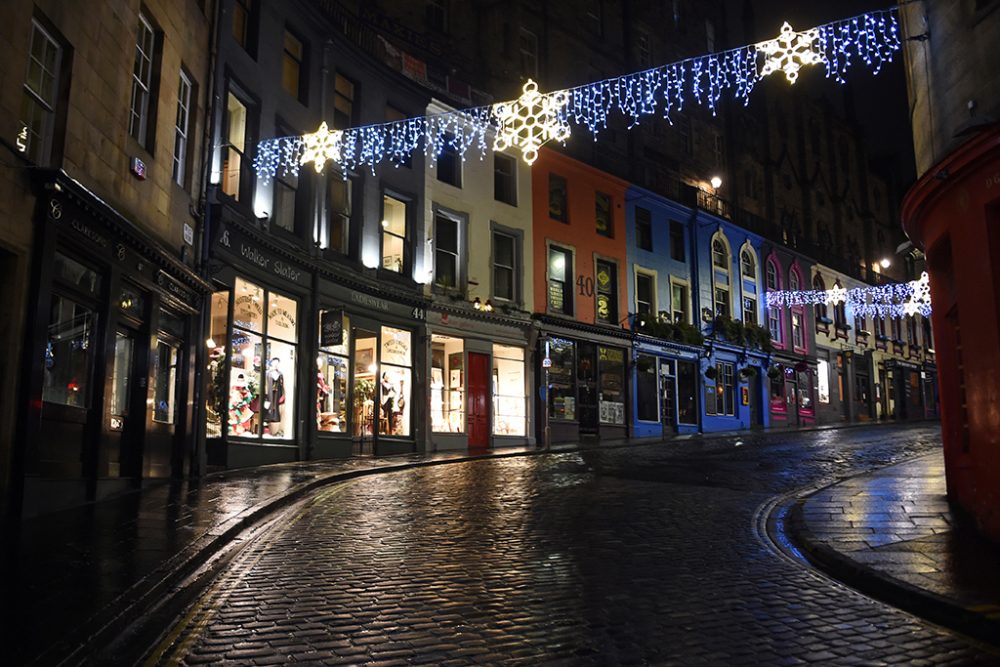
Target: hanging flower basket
<point>773,372</point>
<point>711,372</point>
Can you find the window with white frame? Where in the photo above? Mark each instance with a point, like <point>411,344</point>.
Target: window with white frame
<point>645,294</point>
<point>235,175</point>
<point>505,179</point>
<point>41,88</point>
<point>142,83</point>
<point>394,228</point>
<point>181,128</point>
<point>504,266</point>
<point>560,288</point>
<point>721,276</point>
<point>798,337</point>
<point>446,251</point>
<point>679,302</point>
<point>748,264</point>
<point>749,310</point>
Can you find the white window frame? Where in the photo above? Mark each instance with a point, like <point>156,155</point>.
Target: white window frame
<point>440,214</point>
<point>182,127</point>
<point>687,306</point>
<point>138,124</point>
<point>516,256</point>
<point>651,274</point>
<point>728,270</point>
<point>569,301</point>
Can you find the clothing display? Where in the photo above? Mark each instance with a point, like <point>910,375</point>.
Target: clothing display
<point>274,396</point>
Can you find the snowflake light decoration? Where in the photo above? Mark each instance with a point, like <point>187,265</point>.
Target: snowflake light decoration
<point>530,121</point>
<point>920,297</point>
<point>836,295</point>
<point>789,51</point>
<point>320,146</point>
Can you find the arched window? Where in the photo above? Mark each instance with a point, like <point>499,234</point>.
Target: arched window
<point>721,276</point>
<point>720,254</point>
<point>820,286</point>
<point>840,311</point>
<point>748,264</point>
<point>772,278</point>
<point>798,312</point>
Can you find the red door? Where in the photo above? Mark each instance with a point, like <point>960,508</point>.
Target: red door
<point>478,387</point>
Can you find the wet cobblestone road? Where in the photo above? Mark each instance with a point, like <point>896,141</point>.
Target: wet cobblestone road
<point>644,554</point>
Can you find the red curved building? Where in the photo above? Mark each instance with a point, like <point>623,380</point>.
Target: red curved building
<point>952,213</point>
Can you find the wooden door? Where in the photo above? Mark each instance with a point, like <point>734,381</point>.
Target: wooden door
<point>478,388</point>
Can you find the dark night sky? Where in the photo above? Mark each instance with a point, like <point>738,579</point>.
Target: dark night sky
<point>879,103</point>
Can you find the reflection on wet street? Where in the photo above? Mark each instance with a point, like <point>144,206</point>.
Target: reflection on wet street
<point>643,554</point>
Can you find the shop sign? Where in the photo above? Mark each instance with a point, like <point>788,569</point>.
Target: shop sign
<point>236,243</point>
<point>331,328</point>
<point>612,412</point>
<point>547,362</point>
<point>174,288</point>
<point>395,346</point>
<point>611,354</point>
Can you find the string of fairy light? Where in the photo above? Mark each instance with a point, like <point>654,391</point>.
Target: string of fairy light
<point>535,118</point>
<point>524,124</point>
<point>894,300</point>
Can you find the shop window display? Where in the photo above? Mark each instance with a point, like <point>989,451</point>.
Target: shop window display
<point>68,353</point>
<point>447,384</point>
<point>394,382</point>
<point>562,385</point>
<point>165,383</point>
<point>216,395</point>
<point>332,382</point>
<point>260,397</point>
<point>365,374</point>
<point>509,400</point>
<point>612,392</point>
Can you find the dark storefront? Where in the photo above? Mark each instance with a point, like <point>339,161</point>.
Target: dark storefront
<point>585,394</point>
<point>108,376</point>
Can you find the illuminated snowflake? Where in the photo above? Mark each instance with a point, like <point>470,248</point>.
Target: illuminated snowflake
<point>530,121</point>
<point>836,294</point>
<point>320,146</point>
<point>789,51</point>
<point>920,297</point>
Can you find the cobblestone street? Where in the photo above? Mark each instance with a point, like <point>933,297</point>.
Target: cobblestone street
<point>641,554</point>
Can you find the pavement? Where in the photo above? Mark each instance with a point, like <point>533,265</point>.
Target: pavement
<point>89,572</point>
<point>892,534</point>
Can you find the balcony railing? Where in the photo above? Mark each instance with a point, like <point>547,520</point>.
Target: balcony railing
<point>714,204</point>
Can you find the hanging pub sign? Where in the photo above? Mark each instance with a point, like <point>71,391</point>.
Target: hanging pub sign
<point>331,327</point>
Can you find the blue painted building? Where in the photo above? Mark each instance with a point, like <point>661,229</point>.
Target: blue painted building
<point>666,382</point>
<point>729,293</point>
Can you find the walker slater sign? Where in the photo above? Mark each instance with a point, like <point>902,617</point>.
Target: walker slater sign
<point>236,243</point>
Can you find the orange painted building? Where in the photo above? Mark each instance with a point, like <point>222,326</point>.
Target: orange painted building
<point>581,298</point>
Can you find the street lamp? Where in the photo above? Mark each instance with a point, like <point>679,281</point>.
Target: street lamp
<point>885,263</point>
<point>716,182</point>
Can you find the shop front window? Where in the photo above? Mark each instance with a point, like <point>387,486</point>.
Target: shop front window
<point>509,400</point>
<point>805,391</point>
<point>612,396</point>
<point>365,374</point>
<point>68,353</point>
<point>332,382</point>
<point>447,384</point>
<point>124,345</point>
<point>562,382</point>
<point>687,392</point>
<point>777,387</point>
<point>216,394</point>
<point>394,382</point>
<point>646,388</point>
<point>165,383</point>
<point>263,365</point>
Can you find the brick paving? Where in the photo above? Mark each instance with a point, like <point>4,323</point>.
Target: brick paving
<point>895,524</point>
<point>644,554</point>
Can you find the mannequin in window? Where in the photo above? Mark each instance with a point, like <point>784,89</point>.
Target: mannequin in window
<point>274,397</point>
<point>388,405</point>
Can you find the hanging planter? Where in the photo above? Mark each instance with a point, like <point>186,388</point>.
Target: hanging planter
<point>748,372</point>
<point>773,372</point>
<point>711,372</point>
